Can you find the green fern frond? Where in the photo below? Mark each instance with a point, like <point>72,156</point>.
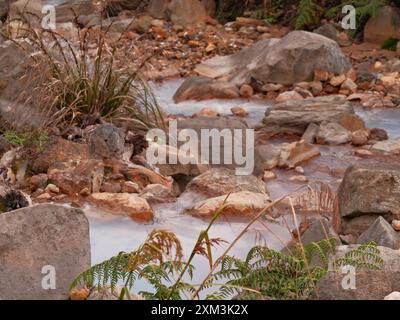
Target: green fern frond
<point>308,14</point>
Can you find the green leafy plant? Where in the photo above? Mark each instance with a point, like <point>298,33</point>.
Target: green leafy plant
<point>390,44</point>
<point>275,275</point>
<point>264,274</point>
<point>308,14</point>
<point>30,139</point>
<point>156,260</point>
<point>365,9</point>
<point>15,138</point>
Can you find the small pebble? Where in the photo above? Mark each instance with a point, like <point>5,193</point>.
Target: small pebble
<point>363,152</point>
<point>52,188</point>
<point>298,179</point>
<point>299,169</point>
<point>269,175</point>
<point>44,196</point>
<point>396,225</point>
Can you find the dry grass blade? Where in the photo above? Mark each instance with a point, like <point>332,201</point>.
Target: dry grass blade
<point>82,86</point>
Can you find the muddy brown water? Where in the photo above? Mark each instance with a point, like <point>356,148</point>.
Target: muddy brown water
<point>111,234</point>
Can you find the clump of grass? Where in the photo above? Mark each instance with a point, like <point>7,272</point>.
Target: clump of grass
<point>390,44</point>
<point>83,85</point>
<point>34,138</point>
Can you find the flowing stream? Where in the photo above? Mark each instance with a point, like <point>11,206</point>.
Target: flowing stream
<point>111,234</point>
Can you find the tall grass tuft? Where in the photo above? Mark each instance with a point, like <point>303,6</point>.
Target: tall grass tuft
<point>82,82</point>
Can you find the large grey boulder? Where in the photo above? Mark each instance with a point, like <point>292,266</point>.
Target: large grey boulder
<point>370,189</point>
<point>382,233</point>
<point>287,61</point>
<point>369,284</point>
<point>296,115</point>
<point>35,239</point>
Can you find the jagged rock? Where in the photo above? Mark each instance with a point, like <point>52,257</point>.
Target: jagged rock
<point>57,149</point>
<point>124,204</point>
<point>40,236</point>
<point>338,80</point>
<point>130,187</point>
<point>267,156</point>
<point>157,193</point>
<point>293,154</point>
<point>332,133</point>
<point>319,230</point>
<point>370,284</point>
<point>295,115</point>
<point>370,189</point>
<point>310,134</point>
<point>382,233</point>
<point>233,136</point>
<point>142,176</point>
<point>38,181</point>
<point>357,225</point>
<point>238,204</point>
<point>106,141</point>
<point>221,181</point>
<point>74,176</point>
<point>203,88</point>
<point>288,60</point>
<point>349,85</point>
<point>185,164</point>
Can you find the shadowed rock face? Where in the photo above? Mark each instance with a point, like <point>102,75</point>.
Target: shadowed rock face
<point>34,237</point>
<point>286,61</point>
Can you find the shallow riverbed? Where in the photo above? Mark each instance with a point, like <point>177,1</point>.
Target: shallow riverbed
<point>111,234</point>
